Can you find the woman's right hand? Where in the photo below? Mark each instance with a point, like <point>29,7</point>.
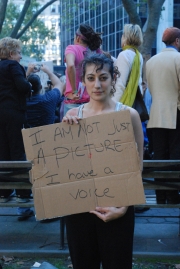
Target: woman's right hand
<point>70,119</point>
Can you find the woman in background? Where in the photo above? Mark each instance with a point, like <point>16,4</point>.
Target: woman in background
<point>129,63</point>
<point>14,88</point>
<point>86,40</point>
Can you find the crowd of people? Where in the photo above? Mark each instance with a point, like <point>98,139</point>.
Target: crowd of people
<point>95,83</point>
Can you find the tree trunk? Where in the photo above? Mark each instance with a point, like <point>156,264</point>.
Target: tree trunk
<point>131,9</point>
<point>33,18</point>
<point>154,7</point>
<point>149,35</point>
<point>20,19</point>
<point>3,6</point>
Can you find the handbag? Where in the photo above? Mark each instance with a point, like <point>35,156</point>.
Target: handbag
<point>140,106</point>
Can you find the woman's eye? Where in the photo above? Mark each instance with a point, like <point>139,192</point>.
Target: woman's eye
<point>103,78</point>
<point>90,78</point>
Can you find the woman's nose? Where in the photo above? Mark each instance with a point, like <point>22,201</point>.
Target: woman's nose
<point>97,83</point>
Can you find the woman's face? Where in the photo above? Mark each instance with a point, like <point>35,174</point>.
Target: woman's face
<point>16,55</point>
<point>98,84</point>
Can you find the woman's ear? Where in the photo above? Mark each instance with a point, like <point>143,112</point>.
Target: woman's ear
<point>114,78</point>
<point>83,83</point>
<point>11,54</point>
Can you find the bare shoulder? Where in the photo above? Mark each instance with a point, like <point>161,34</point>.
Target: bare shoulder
<point>72,112</point>
<point>134,114</point>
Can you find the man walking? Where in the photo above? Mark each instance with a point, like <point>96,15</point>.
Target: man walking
<point>163,78</point>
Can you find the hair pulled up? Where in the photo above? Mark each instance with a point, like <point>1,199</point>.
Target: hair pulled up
<point>99,60</point>
<point>8,45</point>
<point>93,39</point>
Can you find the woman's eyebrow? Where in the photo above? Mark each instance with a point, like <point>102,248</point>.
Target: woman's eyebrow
<point>90,74</point>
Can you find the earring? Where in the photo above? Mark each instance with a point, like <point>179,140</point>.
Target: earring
<point>112,91</point>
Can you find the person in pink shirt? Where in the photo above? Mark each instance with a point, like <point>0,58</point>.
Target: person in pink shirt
<point>86,40</point>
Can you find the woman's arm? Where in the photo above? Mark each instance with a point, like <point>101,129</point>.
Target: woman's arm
<point>112,213</point>
<point>71,72</point>
<point>138,133</point>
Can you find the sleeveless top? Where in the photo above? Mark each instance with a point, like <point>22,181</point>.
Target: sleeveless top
<point>119,106</point>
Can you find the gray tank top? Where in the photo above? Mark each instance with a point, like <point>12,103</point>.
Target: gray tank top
<point>119,106</point>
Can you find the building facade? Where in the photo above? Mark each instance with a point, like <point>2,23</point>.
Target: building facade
<point>108,17</point>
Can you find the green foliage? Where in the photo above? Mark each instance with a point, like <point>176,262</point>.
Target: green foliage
<point>35,37</point>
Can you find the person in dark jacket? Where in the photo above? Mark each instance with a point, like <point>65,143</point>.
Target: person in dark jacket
<point>41,108</point>
<point>14,88</point>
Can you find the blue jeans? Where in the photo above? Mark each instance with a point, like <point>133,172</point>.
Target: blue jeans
<point>69,106</point>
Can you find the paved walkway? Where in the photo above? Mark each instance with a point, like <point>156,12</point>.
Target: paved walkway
<point>153,235</point>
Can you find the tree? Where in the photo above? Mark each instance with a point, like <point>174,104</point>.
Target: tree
<point>19,22</point>
<point>150,31</point>
<point>3,6</point>
<point>36,34</point>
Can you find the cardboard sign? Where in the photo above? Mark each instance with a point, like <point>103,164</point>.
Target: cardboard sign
<point>81,166</point>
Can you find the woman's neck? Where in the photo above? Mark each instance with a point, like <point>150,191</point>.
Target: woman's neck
<point>98,107</point>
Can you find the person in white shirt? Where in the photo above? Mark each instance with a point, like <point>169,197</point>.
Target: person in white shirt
<point>131,39</point>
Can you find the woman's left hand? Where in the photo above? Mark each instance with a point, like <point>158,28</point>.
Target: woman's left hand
<point>71,119</point>
<point>109,213</point>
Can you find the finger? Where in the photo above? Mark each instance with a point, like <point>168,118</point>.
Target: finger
<point>102,209</point>
<point>99,215</point>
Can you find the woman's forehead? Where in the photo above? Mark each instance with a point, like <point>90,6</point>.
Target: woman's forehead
<point>94,69</point>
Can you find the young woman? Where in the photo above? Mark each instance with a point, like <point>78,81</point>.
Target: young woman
<point>104,235</point>
<point>85,40</point>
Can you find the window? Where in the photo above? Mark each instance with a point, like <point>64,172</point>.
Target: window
<point>112,15</point>
<point>98,21</point>
<point>105,30</point>
<point>118,2</point>
<point>105,43</point>
<point>54,49</point>
<point>104,7</point>
<point>111,4</point>
<point>119,25</point>
<point>105,18</point>
<point>119,13</point>
<point>87,16</point>
<point>53,8</point>
<point>81,18</point>
<point>112,27</point>
<point>111,41</point>
<point>176,11</point>
<point>53,23</point>
<point>92,23</point>
<point>98,10</point>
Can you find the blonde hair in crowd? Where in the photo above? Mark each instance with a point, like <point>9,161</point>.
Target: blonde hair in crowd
<point>133,35</point>
<point>8,45</point>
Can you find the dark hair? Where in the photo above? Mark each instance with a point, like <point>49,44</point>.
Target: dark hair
<point>36,82</point>
<point>99,60</point>
<point>93,39</point>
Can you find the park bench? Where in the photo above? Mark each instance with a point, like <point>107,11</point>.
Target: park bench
<point>15,175</point>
